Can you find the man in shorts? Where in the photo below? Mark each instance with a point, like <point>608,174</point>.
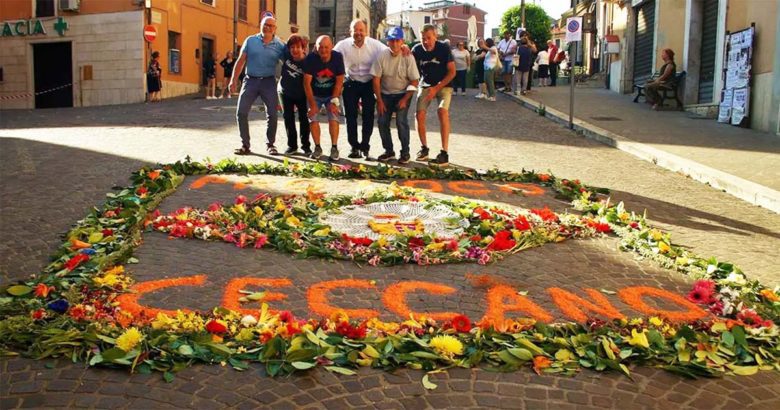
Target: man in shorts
<point>323,81</point>
<point>507,48</point>
<point>437,69</point>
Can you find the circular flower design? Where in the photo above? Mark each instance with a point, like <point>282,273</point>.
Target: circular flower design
<point>396,218</point>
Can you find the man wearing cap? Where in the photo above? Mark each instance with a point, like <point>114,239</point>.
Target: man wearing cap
<point>360,52</point>
<point>260,52</point>
<point>395,81</point>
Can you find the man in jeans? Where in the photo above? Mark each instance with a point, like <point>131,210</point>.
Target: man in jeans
<point>260,52</point>
<point>507,48</point>
<point>360,52</point>
<point>395,81</point>
<point>523,69</point>
<point>437,69</point>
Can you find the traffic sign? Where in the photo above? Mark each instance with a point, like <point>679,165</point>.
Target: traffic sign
<point>150,33</point>
<point>573,29</point>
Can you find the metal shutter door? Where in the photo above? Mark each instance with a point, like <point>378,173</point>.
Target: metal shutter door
<point>643,45</point>
<point>708,44</point>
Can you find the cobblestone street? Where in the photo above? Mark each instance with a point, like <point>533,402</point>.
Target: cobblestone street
<point>58,163</point>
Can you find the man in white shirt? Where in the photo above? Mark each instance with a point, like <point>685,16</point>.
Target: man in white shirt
<point>360,52</point>
<point>507,48</point>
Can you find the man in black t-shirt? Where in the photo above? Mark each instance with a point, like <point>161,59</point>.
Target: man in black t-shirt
<point>323,81</point>
<point>437,69</point>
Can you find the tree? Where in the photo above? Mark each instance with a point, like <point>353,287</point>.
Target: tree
<point>537,22</point>
<point>378,14</point>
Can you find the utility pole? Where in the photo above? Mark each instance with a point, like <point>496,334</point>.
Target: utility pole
<point>235,28</point>
<point>335,8</point>
<point>522,13</point>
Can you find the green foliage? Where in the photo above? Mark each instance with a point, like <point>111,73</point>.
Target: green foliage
<point>537,22</point>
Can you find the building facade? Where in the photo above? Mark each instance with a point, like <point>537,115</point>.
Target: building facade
<point>696,31</point>
<point>93,52</point>
<point>332,17</point>
<point>450,17</point>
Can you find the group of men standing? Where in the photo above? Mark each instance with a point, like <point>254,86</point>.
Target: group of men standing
<point>369,75</point>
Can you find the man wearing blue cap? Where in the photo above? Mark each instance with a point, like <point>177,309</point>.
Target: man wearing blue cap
<point>395,82</point>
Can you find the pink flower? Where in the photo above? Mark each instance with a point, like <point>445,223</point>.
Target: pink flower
<point>286,316</point>
<point>703,292</point>
<point>240,199</point>
<point>260,241</point>
<point>215,207</point>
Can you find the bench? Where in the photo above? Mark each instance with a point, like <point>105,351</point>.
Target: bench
<point>672,90</point>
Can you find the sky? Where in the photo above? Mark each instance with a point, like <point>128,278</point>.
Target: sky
<point>494,8</point>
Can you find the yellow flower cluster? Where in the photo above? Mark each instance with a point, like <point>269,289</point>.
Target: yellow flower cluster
<point>129,339</point>
<point>182,322</point>
<point>113,277</point>
<point>446,345</point>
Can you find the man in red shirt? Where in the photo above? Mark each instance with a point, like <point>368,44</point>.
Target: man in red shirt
<point>552,51</point>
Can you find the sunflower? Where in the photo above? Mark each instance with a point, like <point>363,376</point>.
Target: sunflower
<point>446,345</point>
<point>129,339</point>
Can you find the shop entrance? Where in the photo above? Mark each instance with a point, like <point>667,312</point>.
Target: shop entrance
<point>53,74</point>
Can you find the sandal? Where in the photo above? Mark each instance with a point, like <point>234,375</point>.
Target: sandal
<point>242,151</point>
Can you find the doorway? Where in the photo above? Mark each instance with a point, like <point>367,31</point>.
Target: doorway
<point>644,41</point>
<point>53,74</point>
<point>206,53</point>
<point>709,41</point>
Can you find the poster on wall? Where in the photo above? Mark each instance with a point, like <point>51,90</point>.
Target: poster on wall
<point>735,97</point>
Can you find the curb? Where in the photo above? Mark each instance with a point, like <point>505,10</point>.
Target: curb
<point>739,187</point>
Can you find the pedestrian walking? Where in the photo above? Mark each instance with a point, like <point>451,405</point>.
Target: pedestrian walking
<point>479,68</point>
<point>154,78</point>
<point>543,60</point>
<point>323,81</point>
<point>507,48</point>
<point>492,65</point>
<point>532,46</point>
<point>359,52</point>
<point>437,69</point>
<point>552,51</point>
<point>523,69</point>
<point>395,81</point>
<point>462,63</point>
<point>294,96</point>
<point>260,53</point>
<point>210,74</point>
<point>227,64</point>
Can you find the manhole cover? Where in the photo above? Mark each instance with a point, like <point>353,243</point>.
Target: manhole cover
<point>606,118</point>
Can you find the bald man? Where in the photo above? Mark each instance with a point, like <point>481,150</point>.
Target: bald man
<point>323,80</point>
<point>260,53</point>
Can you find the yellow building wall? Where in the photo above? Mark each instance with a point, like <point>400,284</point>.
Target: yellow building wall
<point>285,26</point>
<point>193,21</point>
<point>670,29</point>
<point>764,13</point>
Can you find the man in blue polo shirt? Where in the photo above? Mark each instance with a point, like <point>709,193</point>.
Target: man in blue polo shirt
<point>260,52</point>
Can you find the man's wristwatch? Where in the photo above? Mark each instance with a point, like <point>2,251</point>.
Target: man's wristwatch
<point>335,101</point>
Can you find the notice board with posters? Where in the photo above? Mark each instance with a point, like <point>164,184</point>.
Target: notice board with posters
<point>735,97</point>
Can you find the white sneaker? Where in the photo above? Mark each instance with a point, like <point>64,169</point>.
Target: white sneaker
<point>462,93</point>
<point>480,95</point>
<point>491,99</point>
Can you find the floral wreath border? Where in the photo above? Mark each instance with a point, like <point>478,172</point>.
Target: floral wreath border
<point>45,316</point>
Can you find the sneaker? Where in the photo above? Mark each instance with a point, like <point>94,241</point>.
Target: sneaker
<point>387,156</point>
<point>354,153</point>
<point>272,150</point>
<point>479,96</point>
<point>366,155</point>
<point>291,151</point>
<point>422,155</point>
<point>491,98</point>
<point>462,93</point>
<point>334,153</point>
<point>307,152</point>
<point>501,89</point>
<point>404,159</point>
<point>317,152</point>
<point>441,160</point>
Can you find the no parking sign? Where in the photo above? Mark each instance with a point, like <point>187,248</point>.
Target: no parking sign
<point>573,29</point>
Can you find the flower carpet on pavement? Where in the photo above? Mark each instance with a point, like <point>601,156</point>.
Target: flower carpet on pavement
<point>300,266</point>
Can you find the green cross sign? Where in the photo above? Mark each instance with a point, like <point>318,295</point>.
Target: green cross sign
<point>60,26</point>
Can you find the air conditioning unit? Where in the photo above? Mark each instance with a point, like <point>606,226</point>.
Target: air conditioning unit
<point>69,5</point>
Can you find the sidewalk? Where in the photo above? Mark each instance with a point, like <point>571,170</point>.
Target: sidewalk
<point>742,162</point>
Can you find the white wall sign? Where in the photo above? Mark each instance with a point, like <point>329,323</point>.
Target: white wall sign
<point>573,29</point>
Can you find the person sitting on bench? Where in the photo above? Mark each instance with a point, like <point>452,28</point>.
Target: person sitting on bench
<point>665,80</point>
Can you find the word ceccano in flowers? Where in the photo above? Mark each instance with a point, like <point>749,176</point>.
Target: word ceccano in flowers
<point>502,301</point>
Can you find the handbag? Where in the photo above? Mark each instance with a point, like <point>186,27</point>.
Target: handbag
<point>516,60</point>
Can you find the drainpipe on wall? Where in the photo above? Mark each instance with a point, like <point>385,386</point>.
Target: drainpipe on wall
<point>235,28</point>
